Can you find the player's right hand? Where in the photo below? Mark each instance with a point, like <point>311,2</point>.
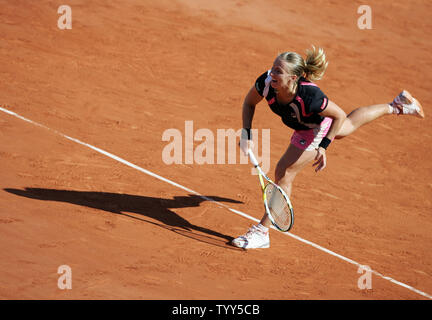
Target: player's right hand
<point>245,145</point>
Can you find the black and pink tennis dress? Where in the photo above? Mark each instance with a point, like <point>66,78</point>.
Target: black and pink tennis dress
<point>303,112</point>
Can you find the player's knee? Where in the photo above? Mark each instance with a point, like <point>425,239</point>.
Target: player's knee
<point>347,128</point>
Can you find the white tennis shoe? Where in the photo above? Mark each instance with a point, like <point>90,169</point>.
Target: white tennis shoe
<point>404,103</point>
<point>255,238</point>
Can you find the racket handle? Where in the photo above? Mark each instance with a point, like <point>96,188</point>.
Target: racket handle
<point>252,157</point>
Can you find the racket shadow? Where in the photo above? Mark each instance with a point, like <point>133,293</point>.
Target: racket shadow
<point>151,207</point>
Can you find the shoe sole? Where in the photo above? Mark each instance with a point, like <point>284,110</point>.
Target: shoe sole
<point>264,246</point>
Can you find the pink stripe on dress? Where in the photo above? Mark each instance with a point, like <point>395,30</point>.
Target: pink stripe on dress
<point>299,99</point>
<point>324,104</point>
<point>308,84</point>
<point>327,124</point>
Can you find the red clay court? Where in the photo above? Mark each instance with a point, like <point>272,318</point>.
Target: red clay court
<point>126,72</point>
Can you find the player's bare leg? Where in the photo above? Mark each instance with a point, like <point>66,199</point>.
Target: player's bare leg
<point>403,104</point>
<point>362,116</point>
<point>291,163</point>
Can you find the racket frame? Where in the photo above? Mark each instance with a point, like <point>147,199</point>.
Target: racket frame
<point>262,176</point>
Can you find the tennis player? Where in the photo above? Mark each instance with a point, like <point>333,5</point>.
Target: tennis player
<point>291,93</point>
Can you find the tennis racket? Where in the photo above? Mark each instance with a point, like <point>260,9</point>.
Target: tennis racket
<point>276,202</point>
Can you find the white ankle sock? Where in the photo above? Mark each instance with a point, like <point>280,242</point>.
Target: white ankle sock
<point>262,228</point>
<point>393,110</point>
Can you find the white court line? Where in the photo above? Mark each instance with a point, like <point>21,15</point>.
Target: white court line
<point>112,156</point>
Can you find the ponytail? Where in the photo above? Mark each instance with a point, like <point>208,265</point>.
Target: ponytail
<point>312,68</point>
<point>315,64</point>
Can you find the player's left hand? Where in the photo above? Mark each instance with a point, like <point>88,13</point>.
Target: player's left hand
<point>321,159</point>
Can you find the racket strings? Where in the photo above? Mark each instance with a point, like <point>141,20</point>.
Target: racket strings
<point>278,207</point>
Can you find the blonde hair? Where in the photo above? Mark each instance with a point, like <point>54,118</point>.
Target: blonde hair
<point>312,68</point>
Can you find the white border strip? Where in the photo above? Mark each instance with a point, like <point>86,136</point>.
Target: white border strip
<point>112,156</point>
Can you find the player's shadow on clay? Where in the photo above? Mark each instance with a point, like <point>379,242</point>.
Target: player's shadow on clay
<point>155,208</point>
